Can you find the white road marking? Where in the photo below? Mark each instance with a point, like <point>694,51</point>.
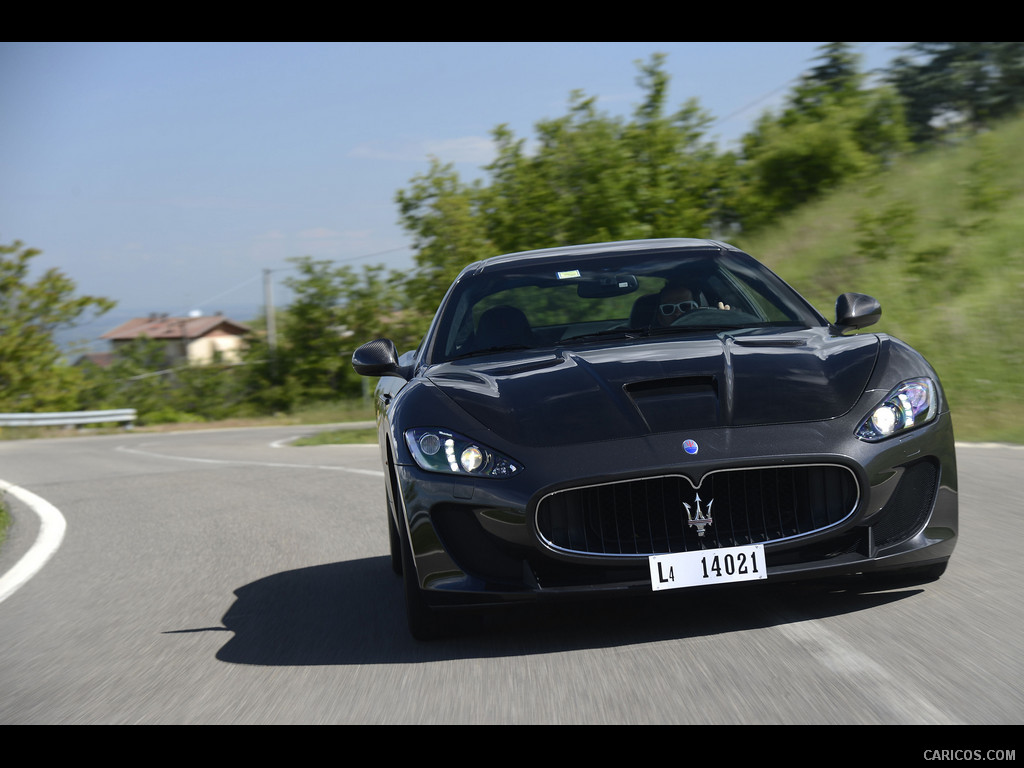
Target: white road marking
<point>1007,446</point>
<point>332,467</point>
<point>52,523</point>
<point>51,534</point>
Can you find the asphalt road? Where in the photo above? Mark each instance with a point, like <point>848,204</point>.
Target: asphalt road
<point>227,577</point>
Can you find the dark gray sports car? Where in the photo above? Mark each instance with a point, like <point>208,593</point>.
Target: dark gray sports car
<point>653,415</point>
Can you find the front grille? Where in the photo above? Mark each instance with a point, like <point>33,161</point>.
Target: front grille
<point>649,515</point>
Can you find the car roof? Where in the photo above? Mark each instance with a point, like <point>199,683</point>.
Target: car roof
<point>594,249</point>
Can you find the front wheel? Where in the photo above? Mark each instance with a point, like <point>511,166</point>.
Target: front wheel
<point>394,541</point>
<point>424,623</point>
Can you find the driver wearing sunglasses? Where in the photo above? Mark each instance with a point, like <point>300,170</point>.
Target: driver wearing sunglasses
<point>674,301</point>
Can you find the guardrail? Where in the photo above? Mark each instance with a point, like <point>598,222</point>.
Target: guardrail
<point>68,418</point>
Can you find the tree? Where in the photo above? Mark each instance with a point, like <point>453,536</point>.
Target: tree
<point>947,85</point>
<point>594,177</point>
<point>33,373</point>
<point>314,333</point>
<point>831,130</point>
<point>138,377</point>
<point>573,188</point>
<point>836,79</point>
<point>587,177</point>
<point>335,309</point>
<point>444,217</point>
<point>795,163</point>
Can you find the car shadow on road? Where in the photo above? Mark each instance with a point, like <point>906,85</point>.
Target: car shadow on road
<point>352,613</point>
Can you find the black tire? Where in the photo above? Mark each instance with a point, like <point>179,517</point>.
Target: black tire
<point>395,542</point>
<point>424,623</point>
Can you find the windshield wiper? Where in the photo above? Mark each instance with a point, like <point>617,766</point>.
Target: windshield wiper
<point>775,328</point>
<point>628,333</point>
<point>489,350</point>
<point>671,329</point>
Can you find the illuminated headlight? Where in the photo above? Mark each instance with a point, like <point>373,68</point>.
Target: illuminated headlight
<point>909,405</point>
<point>438,450</point>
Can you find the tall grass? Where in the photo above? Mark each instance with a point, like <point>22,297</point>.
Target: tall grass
<point>939,240</point>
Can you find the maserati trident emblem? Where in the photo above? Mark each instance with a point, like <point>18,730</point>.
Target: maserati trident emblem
<point>699,519</point>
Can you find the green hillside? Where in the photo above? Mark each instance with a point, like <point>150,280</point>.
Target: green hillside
<point>939,240</point>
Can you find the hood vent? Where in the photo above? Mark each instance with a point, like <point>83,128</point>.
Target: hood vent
<point>666,405</point>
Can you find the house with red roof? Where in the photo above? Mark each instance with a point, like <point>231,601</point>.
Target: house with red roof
<point>199,340</point>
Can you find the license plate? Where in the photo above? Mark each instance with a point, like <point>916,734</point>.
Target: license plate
<point>708,566</point>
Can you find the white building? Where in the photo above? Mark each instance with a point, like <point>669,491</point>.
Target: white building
<point>199,340</point>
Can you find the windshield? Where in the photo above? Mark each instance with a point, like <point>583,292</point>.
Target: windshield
<point>545,303</point>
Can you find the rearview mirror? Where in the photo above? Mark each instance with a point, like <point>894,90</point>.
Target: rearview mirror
<point>606,286</point>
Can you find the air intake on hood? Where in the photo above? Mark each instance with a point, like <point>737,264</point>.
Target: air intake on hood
<point>666,405</point>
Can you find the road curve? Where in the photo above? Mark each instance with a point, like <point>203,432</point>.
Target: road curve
<point>229,577</point>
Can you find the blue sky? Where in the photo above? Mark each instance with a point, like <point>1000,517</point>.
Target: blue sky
<point>168,176</point>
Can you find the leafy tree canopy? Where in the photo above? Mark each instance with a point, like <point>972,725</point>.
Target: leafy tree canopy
<point>946,85</point>
<point>588,177</point>
<point>831,130</point>
<point>32,377</point>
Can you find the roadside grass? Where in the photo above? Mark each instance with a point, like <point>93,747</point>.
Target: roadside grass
<point>938,241</point>
<point>5,521</point>
<point>340,437</point>
<point>980,423</point>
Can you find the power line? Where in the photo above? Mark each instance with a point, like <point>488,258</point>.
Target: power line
<point>222,293</point>
<point>351,258</point>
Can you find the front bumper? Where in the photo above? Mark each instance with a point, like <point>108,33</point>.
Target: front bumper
<point>478,541</point>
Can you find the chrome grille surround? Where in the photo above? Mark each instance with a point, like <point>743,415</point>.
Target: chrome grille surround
<point>646,516</point>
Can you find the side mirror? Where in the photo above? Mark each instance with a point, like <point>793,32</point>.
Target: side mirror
<point>377,358</point>
<point>855,310</point>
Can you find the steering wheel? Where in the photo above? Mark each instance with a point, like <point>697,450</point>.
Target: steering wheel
<point>729,318</point>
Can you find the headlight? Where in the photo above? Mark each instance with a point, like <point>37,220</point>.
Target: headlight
<point>438,450</point>
<point>909,405</point>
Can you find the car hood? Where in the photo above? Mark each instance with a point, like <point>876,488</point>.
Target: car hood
<point>547,397</point>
